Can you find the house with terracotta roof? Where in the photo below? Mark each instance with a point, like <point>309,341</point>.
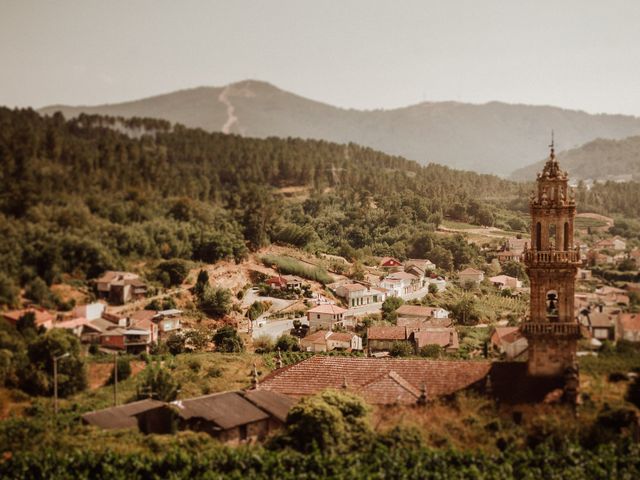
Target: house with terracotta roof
<point>505,281</point>
<point>509,342</point>
<point>629,327</point>
<point>380,381</point>
<point>120,287</point>
<point>356,294</point>
<point>380,339</point>
<point>42,317</point>
<point>168,322</point>
<point>601,324</point>
<point>470,275</point>
<point>446,338</point>
<point>614,243</point>
<point>421,312</point>
<point>286,282</point>
<point>400,283</point>
<point>325,317</point>
<point>326,341</point>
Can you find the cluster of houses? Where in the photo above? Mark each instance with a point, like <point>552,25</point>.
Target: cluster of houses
<point>119,288</point>
<point>612,251</point>
<point>94,324</point>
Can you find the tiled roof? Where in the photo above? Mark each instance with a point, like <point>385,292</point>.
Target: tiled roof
<point>506,335</point>
<point>401,276</point>
<point>353,287</point>
<point>273,403</point>
<point>367,375</point>
<point>341,336</point>
<point>444,337</point>
<point>41,316</point>
<point>316,337</point>
<point>387,333</point>
<point>415,311</point>
<point>630,321</point>
<point>121,416</point>
<point>227,410</point>
<point>326,308</point>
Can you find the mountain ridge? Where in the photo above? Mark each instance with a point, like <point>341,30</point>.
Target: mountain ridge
<point>493,137</point>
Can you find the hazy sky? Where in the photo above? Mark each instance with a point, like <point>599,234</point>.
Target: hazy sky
<point>582,54</point>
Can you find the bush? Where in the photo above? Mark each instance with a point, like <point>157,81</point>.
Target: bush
<point>194,365</point>
<point>431,351</point>
<point>158,383</point>
<point>401,349</point>
<point>263,344</point>
<point>389,307</point>
<point>214,372</point>
<point>172,272</point>
<point>215,301</point>
<point>287,343</point>
<point>124,370</point>
<point>227,340</point>
<point>9,292</point>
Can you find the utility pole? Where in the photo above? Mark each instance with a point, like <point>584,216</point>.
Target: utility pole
<point>115,379</point>
<point>55,381</point>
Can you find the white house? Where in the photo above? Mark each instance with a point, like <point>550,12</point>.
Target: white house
<point>400,283</point>
<point>356,294</point>
<point>471,275</point>
<point>168,321</point>
<point>325,317</point>
<point>90,311</point>
<point>505,281</point>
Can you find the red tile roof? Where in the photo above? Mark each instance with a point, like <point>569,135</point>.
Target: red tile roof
<point>444,337</point>
<point>378,379</point>
<point>630,321</point>
<point>387,333</point>
<point>326,308</point>
<point>42,317</point>
<point>415,311</point>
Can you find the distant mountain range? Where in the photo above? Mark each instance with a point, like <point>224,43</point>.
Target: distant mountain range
<point>489,138</point>
<point>601,159</point>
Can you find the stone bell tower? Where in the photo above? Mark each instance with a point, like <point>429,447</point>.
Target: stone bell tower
<point>552,329</point>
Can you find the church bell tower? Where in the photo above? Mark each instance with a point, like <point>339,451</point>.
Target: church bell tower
<point>552,261</point>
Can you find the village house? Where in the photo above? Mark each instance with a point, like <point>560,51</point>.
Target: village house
<point>596,258</point>
<point>42,318</point>
<point>390,264</point>
<point>505,281</point>
<point>446,338</point>
<point>381,339</point>
<point>168,322</point>
<point>400,283</point>
<point>601,324</point>
<point>584,274</point>
<point>326,341</point>
<point>470,275</point>
<point>120,287</point>
<point>286,282</point>
<point>231,417</point>
<point>90,311</point>
<point>614,243</point>
<point>509,342</point>
<point>356,294</point>
<point>421,312</point>
<point>325,317</point>
<point>512,250</point>
<point>439,282</point>
<point>508,256</point>
<point>629,327</point>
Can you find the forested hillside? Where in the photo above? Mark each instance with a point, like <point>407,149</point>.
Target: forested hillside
<point>494,137</point>
<point>80,196</point>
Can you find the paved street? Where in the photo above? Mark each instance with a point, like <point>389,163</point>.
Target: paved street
<point>275,328</point>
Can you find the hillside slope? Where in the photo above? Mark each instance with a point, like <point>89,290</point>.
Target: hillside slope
<point>489,138</point>
<point>601,159</point>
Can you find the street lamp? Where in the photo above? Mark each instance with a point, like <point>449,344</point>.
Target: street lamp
<point>55,380</point>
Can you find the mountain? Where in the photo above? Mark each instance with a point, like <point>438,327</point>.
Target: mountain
<point>600,159</point>
<point>489,138</point>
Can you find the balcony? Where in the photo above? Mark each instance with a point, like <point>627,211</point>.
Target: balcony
<point>567,330</point>
<point>550,257</point>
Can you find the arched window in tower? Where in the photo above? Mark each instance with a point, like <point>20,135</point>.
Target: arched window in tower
<point>566,236</point>
<point>552,236</point>
<point>552,306</point>
<point>538,236</point>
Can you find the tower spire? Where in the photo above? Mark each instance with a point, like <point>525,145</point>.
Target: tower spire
<point>552,145</point>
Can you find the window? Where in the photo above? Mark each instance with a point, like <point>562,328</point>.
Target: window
<point>538,236</point>
<point>552,236</point>
<point>552,306</point>
<point>566,236</point>
<point>243,432</point>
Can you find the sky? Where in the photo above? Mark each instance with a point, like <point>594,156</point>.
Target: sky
<point>582,54</point>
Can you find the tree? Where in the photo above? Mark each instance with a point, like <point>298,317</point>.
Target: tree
<point>215,301</point>
<point>37,375</point>
<point>401,349</point>
<point>227,340</point>
<point>441,257</point>
<point>8,291</point>
<point>432,289</point>
<point>287,343</point>
<point>172,272</point>
<point>389,307</point>
<point>332,422</point>
<point>514,269</point>
<point>158,383</point>
<point>431,351</point>
<point>124,370</point>
<point>465,310</point>
<point>201,283</point>
<point>38,291</point>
